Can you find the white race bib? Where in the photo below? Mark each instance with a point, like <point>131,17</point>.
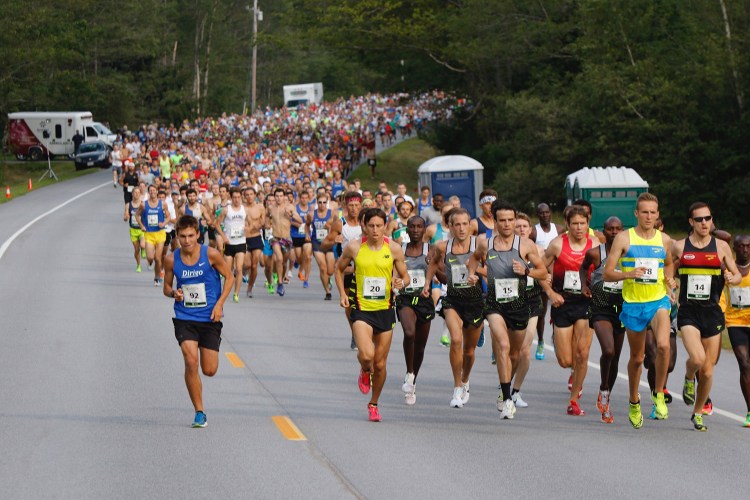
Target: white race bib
<point>320,234</point>
<point>237,232</point>
<point>698,287</point>
<point>133,220</point>
<point>152,219</point>
<point>374,288</point>
<point>739,297</point>
<point>572,282</point>
<point>529,282</point>
<point>506,289</point>
<point>405,238</point>
<point>130,189</point>
<point>267,234</point>
<point>194,295</point>
<point>613,286</point>
<point>651,276</point>
<point>416,280</point>
<point>459,276</point>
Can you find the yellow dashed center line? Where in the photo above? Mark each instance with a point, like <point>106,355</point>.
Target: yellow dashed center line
<point>288,429</point>
<point>235,360</point>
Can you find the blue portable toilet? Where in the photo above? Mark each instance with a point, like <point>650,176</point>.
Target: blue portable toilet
<point>454,175</point>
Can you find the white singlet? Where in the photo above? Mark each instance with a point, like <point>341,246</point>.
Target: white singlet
<point>543,239</point>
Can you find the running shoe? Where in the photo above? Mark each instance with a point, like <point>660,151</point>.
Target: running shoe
<point>353,345</point>
<point>662,412</point>
<point>507,408</point>
<point>652,415</point>
<point>235,298</point>
<point>602,401</point>
<point>150,266</point>
<point>608,417</point>
<point>445,340</point>
<point>280,290</point>
<point>327,297</point>
<point>480,342</point>
<point>200,420</point>
<point>518,401</point>
<point>138,268</point>
<point>570,381</point>
<point>634,414</point>
<point>492,359</point>
<point>457,402</point>
<point>245,278</point>
<point>708,408</point>
<point>697,421</point>
<point>156,282</point>
<point>667,397</point>
<point>275,279</point>
<point>249,294</point>
<point>408,383</point>
<point>575,410</point>
<point>161,274</point>
<point>143,253</point>
<point>296,266</point>
<point>364,380</point>
<point>305,284</point>
<point>747,420</point>
<point>374,413</point>
<point>269,287</point>
<point>301,276</point>
<point>540,350</point>
<point>410,398</point>
<point>688,392</point>
<point>465,393</point>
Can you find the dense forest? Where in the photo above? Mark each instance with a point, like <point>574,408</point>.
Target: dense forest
<point>657,85</point>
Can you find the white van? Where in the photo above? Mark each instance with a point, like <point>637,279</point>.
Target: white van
<point>33,134</point>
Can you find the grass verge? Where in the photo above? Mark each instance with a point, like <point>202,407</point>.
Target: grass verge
<point>396,164</point>
<point>17,174</point>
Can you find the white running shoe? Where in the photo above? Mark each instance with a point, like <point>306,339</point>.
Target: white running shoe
<point>507,408</point>
<point>457,401</point>
<point>411,397</point>
<point>408,383</point>
<point>465,393</point>
<point>518,401</point>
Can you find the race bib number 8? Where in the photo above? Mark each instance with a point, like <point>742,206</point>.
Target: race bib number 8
<point>739,297</point>
<point>416,280</point>
<point>194,295</point>
<point>698,287</point>
<point>506,289</point>
<point>374,288</point>
<point>651,276</point>
<point>459,276</point>
<point>572,282</point>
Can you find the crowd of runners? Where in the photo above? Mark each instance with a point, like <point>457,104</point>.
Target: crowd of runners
<point>215,203</point>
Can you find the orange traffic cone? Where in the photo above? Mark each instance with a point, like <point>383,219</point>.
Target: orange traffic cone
<point>7,192</point>
<point>30,185</point>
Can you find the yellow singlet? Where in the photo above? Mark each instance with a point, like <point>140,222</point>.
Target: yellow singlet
<point>373,272</point>
<point>734,303</point>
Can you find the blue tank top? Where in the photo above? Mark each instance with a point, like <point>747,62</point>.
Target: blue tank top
<point>299,232</point>
<point>421,206</point>
<point>133,210</point>
<point>337,188</point>
<point>319,224</point>
<point>201,287</point>
<point>152,216</point>
<point>483,228</point>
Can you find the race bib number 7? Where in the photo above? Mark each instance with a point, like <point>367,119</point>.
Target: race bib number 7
<point>460,276</point>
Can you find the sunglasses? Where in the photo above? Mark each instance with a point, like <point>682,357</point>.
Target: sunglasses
<point>706,218</point>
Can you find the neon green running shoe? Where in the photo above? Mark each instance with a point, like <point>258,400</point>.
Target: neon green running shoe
<point>747,421</point>
<point>688,392</point>
<point>698,423</point>
<point>635,416</point>
<point>662,412</point>
<point>138,268</point>
<point>275,279</point>
<point>445,340</point>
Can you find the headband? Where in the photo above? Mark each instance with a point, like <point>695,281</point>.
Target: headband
<point>487,199</point>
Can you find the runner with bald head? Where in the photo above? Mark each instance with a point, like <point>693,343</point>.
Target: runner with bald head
<point>735,301</point>
<point>542,233</point>
<point>606,304</point>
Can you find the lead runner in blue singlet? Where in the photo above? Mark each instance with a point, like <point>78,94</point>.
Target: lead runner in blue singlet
<point>198,306</point>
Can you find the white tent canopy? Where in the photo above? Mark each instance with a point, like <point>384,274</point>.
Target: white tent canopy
<point>606,177</point>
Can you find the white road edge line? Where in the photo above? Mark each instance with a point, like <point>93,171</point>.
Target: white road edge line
<point>624,377</point>
<point>18,233</point>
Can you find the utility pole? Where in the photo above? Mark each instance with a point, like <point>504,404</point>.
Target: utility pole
<point>257,16</point>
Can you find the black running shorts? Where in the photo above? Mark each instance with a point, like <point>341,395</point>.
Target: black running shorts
<point>208,335</point>
<point>708,320</point>
<point>379,321</point>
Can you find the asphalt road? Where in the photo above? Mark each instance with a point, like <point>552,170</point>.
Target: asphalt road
<point>94,404</point>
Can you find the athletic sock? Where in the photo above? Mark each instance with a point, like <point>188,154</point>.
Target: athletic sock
<point>505,388</point>
<point>514,391</point>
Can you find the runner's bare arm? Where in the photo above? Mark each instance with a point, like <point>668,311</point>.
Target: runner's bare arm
<point>220,264</point>
<point>731,273</point>
<point>591,258</point>
<point>438,255</point>
<point>619,247</point>
<point>531,254</point>
<point>330,239</point>
<point>167,289</point>
<point>477,259</point>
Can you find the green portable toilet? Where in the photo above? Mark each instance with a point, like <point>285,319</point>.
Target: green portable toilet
<point>610,190</point>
